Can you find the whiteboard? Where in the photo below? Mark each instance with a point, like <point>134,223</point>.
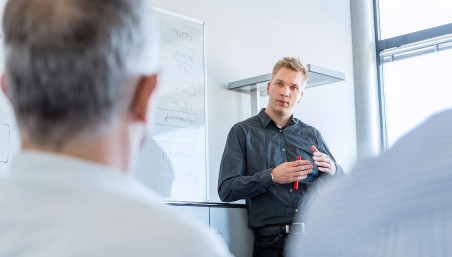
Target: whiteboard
<point>173,159</point>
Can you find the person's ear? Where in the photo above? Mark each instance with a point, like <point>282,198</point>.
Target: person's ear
<point>144,91</point>
<point>299,99</point>
<point>268,88</point>
<point>3,85</point>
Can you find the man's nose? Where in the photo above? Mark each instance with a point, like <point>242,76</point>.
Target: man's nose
<point>285,91</point>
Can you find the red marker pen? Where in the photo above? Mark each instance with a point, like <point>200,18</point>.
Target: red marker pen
<point>295,185</point>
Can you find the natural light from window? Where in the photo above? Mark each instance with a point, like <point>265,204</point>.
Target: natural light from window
<point>416,88</point>
<point>399,17</point>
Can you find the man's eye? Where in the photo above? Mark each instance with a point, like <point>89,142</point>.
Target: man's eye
<point>293,88</point>
<point>279,83</point>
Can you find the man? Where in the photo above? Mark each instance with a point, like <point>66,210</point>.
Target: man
<point>80,75</point>
<point>260,163</point>
<point>398,204</point>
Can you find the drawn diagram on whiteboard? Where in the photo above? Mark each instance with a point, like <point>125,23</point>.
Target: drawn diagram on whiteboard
<point>5,138</point>
<point>9,138</point>
<point>173,160</point>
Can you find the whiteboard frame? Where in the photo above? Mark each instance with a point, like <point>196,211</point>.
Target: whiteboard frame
<point>205,118</point>
<point>177,15</point>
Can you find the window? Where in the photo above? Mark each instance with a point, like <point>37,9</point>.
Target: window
<point>415,88</point>
<point>414,47</point>
<point>398,17</point>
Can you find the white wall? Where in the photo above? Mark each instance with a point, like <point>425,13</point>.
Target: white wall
<point>246,38</point>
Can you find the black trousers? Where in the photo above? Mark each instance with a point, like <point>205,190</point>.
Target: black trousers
<point>269,246</point>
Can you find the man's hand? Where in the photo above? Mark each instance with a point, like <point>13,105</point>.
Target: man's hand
<point>291,171</point>
<point>323,162</point>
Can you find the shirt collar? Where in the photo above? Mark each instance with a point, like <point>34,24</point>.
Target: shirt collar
<point>265,119</point>
<point>27,160</point>
<point>67,171</point>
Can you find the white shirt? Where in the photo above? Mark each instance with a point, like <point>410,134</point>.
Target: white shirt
<point>55,205</point>
<point>399,204</point>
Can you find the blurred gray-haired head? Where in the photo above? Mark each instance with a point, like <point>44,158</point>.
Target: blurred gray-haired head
<point>72,65</point>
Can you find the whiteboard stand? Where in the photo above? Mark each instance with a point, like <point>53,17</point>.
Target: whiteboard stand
<point>254,86</point>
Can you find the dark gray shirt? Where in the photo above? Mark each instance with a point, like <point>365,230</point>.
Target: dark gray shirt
<point>253,149</point>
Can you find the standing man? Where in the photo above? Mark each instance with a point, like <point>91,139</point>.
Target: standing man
<point>80,75</point>
<point>260,163</point>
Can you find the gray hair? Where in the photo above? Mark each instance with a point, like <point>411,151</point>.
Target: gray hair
<point>71,65</point>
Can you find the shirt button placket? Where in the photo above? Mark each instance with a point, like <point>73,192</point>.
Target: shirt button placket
<point>283,146</point>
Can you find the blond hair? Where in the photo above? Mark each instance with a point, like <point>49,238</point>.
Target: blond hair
<point>294,64</point>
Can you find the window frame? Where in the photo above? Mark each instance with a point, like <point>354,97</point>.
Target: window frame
<point>424,38</point>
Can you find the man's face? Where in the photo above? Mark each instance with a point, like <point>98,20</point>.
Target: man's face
<point>285,90</point>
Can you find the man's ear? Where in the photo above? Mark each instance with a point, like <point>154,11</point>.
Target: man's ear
<point>3,85</point>
<point>144,91</point>
<point>268,88</point>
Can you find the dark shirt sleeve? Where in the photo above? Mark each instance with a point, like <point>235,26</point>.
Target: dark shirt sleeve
<point>233,182</point>
<point>323,147</point>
